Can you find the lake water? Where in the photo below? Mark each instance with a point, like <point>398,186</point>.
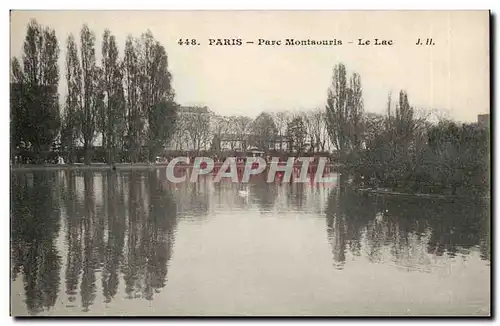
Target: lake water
<point>131,243</point>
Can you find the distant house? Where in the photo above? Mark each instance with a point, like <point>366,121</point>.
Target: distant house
<point>234,141</point>
<point>279,142</point>
<point>244,141</point>
<point>484,120</point>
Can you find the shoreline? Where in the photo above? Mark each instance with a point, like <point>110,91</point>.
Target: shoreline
<point>381,192</point>
<point>119,166</point>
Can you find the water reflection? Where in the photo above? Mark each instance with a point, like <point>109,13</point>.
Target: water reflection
<point>263,194</point>
<point>35,223</point>
<point>81,241</point>
<point>408,232</point>
<point>127,233</point>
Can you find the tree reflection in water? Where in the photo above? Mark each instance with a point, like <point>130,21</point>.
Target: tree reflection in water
<point>35,224</point>
<point>107,242</point>
<point>118,230</point>
<point>407,232</point>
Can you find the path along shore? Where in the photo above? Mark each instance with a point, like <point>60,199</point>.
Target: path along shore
<point>130,166</point>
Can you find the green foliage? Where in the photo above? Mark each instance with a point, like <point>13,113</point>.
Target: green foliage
<point>296,134</point>
<point>147,86</point>
<point>344,110</point>
<point>121,101</point>
<point>34,102</point>
<point>34,225</point>
<point>71,127</point>
<point>112,111</point>
<point>264,130</point>
<point>407,154</point>
<point>161,126</point>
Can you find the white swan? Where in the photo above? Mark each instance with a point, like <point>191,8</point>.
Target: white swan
<point>243,193</point>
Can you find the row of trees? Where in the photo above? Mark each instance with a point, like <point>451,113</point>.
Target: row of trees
<point>403,149</point>
<point>199,128</point>
<point>128,101</point>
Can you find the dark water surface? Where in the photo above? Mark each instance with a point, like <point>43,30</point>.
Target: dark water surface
<point>130,243</point>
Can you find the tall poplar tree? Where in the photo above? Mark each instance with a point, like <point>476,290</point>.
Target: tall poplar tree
<point>112,115</point>
<point>36,94</point>
<point>344,109</point>
<point>134,114</point>
<point>90,88</point>
<point>70,132</point>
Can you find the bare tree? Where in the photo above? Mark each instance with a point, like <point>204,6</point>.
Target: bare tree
<point>281,120</point>
<point>181,135</point>
<point>198,127</point>
<point>242,127</point>
<point>307,120</point>
<point>221,125</point>
<point>318,128</point>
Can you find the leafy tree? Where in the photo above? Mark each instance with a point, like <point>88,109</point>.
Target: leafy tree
<point>147,84</point>
<point>35,224</point>
<point>296,134</point>
<point>161,127</point>
<point>112,117</point>
<point>35,104</point>
<point>17,108</point>
<point>135,122</point>
<point>336,117</point>
<point>355,111</point>
<point>70,131</point>
<point>264,130</point>
<point>155,87</point>
<point>91,91</point>
<point>344,110</point>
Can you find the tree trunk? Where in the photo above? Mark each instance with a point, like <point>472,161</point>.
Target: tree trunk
<point>133,148</point>
<point>110,148</point>
<point>86,149</point>
<point>71,154</point>
<point>152,155</point>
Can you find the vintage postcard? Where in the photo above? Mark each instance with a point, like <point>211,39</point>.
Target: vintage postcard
<point>250,163</point>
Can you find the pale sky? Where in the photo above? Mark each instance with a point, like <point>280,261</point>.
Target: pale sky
<point>452,75</point>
